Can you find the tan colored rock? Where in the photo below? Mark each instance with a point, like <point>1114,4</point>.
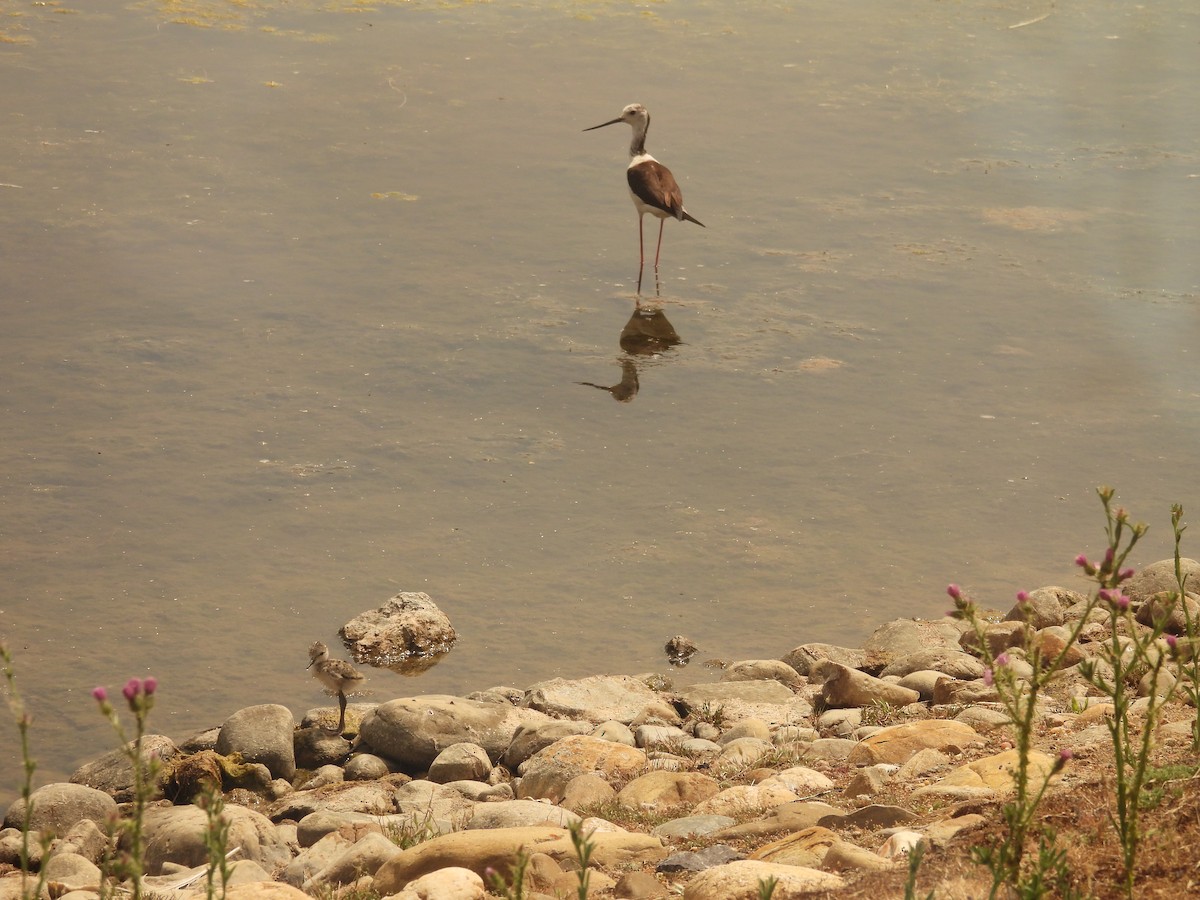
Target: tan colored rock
<point>72,871</point>
<point>412,731</point>
<point>547,773</point>
<point>1160,577</point>
<point>952,691</point>
<point>497,848</point>
<point>805,848</point>
<point>175,834</point>
<point>1099,712</point>
<point>515,813</point>
<point>584,790</point>
<point>867,782</point>
<point>762,670</point>
<point>451,883</point>
<point>58,806</point>
<point>984,719</point>
<point>746,798</point>
<point>364,857</point>
<point>900,844</point>
<point>805,658</point>
<point>1052,645</point>
<point>942,832</point>
<point>924,682</point>
<point>460,762</point>
<point>740,881</point>
<point>640,886</point>
<point>921,763</point>
<point>746,728</point>
<point>952,662</point>
<point>1045,606</point>
<point>801,780</point>
<point>998,637</point>
<point>842,856</point>
<point>795,816</point>
<point>845,687</point>
<point>903,637</point>
<point>996,772</point>
<point>743,752</point>
<point>600,698</point>
<point>665,790</point>
<point>264,890</point>
<point>898,743</point>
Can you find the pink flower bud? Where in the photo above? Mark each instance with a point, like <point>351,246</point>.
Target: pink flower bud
<point>989,677</point>
<point>150,685</point>
<point>1115,598</point>
<point>954,591</point>
<point>1064,756</point>
<point>1022,597</point>
<point>1125,574</point>
<point>1002,660</point>
<point>99,694</point>
<point>132,688</point>
<point>1081,561</point>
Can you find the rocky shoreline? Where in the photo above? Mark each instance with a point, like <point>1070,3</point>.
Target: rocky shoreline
<point>821,770</point>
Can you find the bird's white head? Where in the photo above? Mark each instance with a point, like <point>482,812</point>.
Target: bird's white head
<point>634,114</point>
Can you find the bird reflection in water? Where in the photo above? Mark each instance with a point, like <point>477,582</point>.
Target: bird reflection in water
<point>648,333</point>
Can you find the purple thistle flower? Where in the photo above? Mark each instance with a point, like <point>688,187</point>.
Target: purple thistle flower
<point>1066,754</point>
<point>1125,574</point>
<point>1081,561</point>
<point>1001,660</point>
<point>132,688</point>
<point>99,694</point>
<point>954,591</point>
<point>150,685</point>
<point>1022,596</point>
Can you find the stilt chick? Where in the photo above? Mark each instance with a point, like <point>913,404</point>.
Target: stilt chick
<point>338,676</point>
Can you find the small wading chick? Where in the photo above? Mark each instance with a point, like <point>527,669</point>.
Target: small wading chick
<point>338,676</point>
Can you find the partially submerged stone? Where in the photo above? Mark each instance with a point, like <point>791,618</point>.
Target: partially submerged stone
<point>408,629</point>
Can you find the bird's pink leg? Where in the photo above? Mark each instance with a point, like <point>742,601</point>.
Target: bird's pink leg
<point>641,256</point>
<point>657,286</point>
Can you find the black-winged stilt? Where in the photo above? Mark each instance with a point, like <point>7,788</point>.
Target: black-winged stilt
<point>651,184</point>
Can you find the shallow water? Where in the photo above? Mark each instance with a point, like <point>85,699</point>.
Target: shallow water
<point>297,298</point>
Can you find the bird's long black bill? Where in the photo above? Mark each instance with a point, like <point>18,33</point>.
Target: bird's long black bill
<point>613,122</point>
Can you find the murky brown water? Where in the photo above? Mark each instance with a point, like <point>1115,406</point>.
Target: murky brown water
<point>296,298</point>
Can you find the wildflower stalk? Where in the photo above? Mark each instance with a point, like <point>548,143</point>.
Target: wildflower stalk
<point>584,847</point>
<point>216,840</point>
<point>1020,701</point>
<point>1140,651</point>
<point>130,865</point>
<point>23,720</point>
<point>1020,697</point>
<point>1189,654</point>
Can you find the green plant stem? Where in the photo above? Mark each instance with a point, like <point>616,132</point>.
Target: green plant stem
<point>28,766</point>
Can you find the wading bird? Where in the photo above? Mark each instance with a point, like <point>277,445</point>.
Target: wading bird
<point>337,675</point>
<point>651,185</point>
